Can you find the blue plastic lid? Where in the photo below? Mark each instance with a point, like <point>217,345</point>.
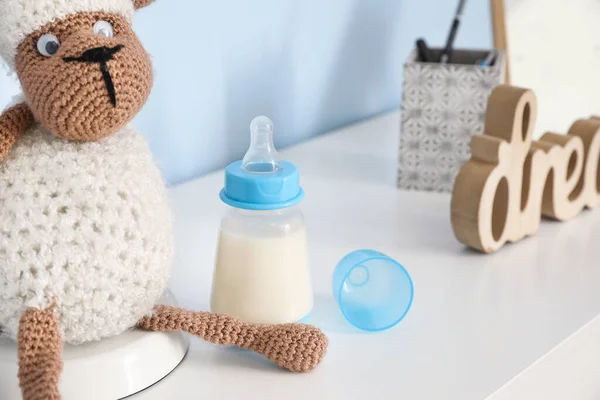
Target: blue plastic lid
<point>373,291</point>
<point>261,181</point>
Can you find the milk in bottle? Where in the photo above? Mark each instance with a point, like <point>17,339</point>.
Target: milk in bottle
<point>261,272</point>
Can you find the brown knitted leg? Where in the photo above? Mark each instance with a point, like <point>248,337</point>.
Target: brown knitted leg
<point>40,359</point>
<point>296,347</point>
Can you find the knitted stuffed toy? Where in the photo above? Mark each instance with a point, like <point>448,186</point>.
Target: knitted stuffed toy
<point>85,227</point>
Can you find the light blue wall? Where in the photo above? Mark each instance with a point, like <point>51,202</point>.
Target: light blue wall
<point>310,65</point>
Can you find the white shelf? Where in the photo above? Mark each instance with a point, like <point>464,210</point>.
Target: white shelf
<point>481,326</point>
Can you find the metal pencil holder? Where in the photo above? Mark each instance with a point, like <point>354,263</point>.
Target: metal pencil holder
<point>443,105</point>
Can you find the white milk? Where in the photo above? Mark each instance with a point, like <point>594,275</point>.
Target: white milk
<point>263,277</point>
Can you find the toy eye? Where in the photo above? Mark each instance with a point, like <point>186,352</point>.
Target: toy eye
<point>48,45</point>
<point>104,28</point>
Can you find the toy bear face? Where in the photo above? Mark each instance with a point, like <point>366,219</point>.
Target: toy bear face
<point>84,76</point>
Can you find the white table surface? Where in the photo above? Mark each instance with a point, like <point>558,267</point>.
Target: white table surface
<point>518,324</point>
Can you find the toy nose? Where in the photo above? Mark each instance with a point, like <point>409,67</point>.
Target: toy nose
<point>97,54</point>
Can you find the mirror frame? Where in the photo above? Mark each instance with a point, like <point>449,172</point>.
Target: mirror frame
<point>498,16</point>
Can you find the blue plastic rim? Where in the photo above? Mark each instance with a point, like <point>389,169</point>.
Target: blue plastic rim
<point>255,191</point>
<point>373,291</point>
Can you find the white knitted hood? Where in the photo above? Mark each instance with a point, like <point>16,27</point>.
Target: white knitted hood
<point>19,18</point>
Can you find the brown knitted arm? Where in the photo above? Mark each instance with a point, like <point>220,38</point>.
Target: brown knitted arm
<point>13,123</point>
<point>141,3</point>
<point>295,347</point>
<point>40,359</point>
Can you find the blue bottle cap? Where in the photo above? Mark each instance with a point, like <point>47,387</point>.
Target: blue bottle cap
<point>373,291</point>
<point>261,181</point>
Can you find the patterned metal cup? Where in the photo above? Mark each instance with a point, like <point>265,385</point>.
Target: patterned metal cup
<point>443,105</point>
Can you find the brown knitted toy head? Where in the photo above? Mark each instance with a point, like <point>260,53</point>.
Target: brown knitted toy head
<point>84,76</point>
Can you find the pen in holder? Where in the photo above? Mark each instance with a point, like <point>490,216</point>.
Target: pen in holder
<point>443,105</point>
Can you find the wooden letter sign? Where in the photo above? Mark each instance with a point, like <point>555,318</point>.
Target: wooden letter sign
<point>511,180</point>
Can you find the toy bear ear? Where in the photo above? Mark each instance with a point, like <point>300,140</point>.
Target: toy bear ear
<point>141,3</point>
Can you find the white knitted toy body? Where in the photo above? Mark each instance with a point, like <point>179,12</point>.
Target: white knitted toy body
<point>86,225</point>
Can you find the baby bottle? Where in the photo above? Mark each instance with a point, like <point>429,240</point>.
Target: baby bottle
<point>261,271</point>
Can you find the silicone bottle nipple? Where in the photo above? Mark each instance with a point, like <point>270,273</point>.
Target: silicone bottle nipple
<point>261,158</point>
